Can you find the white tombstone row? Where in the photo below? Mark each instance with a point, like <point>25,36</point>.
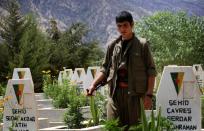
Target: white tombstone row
<point>197,68</point>
<point>79,77</point>
<point>178,96</point>
<point>20,111</point>
<point>90,75</point>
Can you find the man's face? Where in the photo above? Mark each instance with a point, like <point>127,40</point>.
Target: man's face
<point>125,29</point>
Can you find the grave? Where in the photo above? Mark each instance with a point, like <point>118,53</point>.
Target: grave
<point>79,77</point>
<point>65,75</point>
<point>22,73</point>
<point>69,73</point>
<point>197,68</point>
<point>61,77</point>
<point>90,76</point>
<point>179,98</point>
<point>20,113</point>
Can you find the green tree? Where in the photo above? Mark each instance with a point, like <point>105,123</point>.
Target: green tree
<point>87,54</point>
<point>34,52</point>
<point>24,45</point>
<point>73,51</point>
<point>12,28</point>
<point>176,38</point>
<point>3,62</point>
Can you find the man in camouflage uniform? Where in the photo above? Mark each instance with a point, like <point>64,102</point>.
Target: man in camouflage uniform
<point>130,71</point>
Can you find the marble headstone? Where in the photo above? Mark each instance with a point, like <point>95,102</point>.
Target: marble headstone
<point>69,73</point>
<point>91,74</point>
<point>178,96</point>
<point>22,73</point>
<point>61,77</point>
<point>20,112</point>
<point>66,74</point>
<point>79,77</point>
<point>197,68</point>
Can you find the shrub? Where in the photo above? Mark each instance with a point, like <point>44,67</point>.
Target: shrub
<point>68,95</point>
<point>50,88</point>
<point>2,90</point>
<point>73,117</point>
<point>113,125</point>
<point>62,94</point>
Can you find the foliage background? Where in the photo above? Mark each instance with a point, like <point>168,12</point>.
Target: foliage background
<point>24,44</point>
<point>176,38</point>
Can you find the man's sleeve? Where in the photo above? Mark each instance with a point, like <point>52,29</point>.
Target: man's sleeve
<point>106,62</point>
<point>149,61</point>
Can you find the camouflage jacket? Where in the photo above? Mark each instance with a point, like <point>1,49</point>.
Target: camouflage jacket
<point>140,64</point>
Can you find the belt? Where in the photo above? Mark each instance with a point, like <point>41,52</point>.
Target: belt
<point>122,85</point>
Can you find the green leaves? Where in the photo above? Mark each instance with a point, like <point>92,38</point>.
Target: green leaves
<point>143,117</point>
<point>26,45</point>
<point>23,43</point>
<point>67,96</point>
<point>158,126</point>
<point>113,125</point>
<point>12,27</point>
<point>157,123</point>
<point>175,38</point>
<point>73,50</point>
<point>94,110</point>
<point>152,124</point>
<point>97,104</point>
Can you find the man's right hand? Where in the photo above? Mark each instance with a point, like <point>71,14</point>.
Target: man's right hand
<point>90,90</point>
<point>100,77</point>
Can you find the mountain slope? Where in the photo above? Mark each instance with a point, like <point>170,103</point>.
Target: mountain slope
<point>99,15</point>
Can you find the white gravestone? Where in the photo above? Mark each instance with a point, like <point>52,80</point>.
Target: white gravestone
<point>61,77</point>
<point>197,68</point>
<point>179,98</point>
<point>79,77</point>
<point>20,109</point>
<point>22,73</point>
<point>69,73</point>
<point>65,75</point>
<point>90,75</point>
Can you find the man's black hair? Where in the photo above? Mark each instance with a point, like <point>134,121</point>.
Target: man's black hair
<point>124,16</point>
